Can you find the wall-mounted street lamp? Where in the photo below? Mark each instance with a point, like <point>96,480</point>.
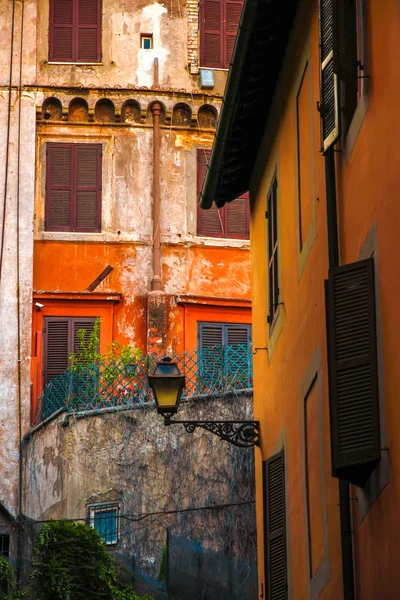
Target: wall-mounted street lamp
<point>167,384</point>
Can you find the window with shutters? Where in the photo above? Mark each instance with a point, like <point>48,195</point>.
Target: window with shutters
<point>273,270</point>
<point>275,553</point>
<point>231,221</point>
<point>224,350</point>
<point>60,336</point>
<point>353,371</point>
<point>342,56</point>
<point>75,31</point>
<point>219,21</point>
<point>73,187</point>
<point>105,519</point>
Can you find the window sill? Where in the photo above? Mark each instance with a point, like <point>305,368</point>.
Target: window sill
<point>76,64</point>
<point>214,68</point>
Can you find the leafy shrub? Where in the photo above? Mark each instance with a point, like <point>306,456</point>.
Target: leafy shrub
<point>71,562</point>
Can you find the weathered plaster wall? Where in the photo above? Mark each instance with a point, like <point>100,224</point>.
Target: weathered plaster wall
<point>132,458</point>
<point>123,61</point>
<point>15,286</point>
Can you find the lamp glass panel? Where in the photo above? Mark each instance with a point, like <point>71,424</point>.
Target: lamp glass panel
<point>167,391</point>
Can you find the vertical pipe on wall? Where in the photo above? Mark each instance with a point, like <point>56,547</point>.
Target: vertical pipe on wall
<point>156,280</point>
<point>344,488</point>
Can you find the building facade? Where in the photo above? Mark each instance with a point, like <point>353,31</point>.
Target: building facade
<point>108,111</point>
<point>320,163</point>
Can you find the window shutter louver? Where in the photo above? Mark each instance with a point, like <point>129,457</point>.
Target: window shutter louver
<point>275,527</point>
<point>211,33</point>
<point>61,31</point>
<point>329,83</point>
<point>236,334</point>
<point>80,323</point>
<point>238,218</point>
<point>345,41</point>
<point>58,201</point>
<point>56,349</point>
<point>89,31</point>
<point>88,188</point>
<point>209,222</point>
<point>211,336</point>
<point>353,375</point>
<point>233,10</point>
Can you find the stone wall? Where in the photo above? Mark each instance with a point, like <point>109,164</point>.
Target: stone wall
<point>160,477</point>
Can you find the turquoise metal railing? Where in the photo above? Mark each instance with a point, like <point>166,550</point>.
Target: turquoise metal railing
<point>210,371</point>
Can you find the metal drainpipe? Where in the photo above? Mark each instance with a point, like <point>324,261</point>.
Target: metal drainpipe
<point>156,281</point>
<point>344,488</point>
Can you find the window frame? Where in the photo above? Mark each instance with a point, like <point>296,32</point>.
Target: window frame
<point>103,507</point>
<point>273,252</point>
<point>224,346</point>
<point>75,35</point>
<point>72,228</point>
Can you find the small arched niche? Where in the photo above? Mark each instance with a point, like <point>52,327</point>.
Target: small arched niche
<point>104,111</point>
<point>163,112</point>
<point>78,110</point>
<point>130,112</point>
<point>181,115</point>
<point>52,110</point>
<point>207,116</point>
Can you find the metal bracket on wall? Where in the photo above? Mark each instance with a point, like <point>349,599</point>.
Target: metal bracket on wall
<point>243,434</point>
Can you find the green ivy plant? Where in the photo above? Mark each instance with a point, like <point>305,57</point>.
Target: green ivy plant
<point>6,576</point>
<point>71,562</point>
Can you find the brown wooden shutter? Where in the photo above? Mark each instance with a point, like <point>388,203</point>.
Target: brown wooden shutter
<point>233,10</point>
<point>329,106</point>
<point>345,41</point>
<point>86,323</point>
<point>275,527</point>
<point>56,348</point>
<point>209,222</point>
<point>61,30</point>
<point>87,208</point>
<point>353,375</point>
<point>238,218</point>
<point>211,31</point>
<point>88,30</point>
<point>58,187</point>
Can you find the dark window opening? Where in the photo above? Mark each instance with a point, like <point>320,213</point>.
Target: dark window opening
<point>273,267</point>
<point>230,221</point>
<point>73,187</point>
<point>4,551</point>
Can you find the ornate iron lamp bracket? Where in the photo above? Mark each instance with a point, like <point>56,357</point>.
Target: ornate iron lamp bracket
<point>243,434</point>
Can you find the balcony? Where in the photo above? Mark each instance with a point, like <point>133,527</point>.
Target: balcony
<point>210,372</point>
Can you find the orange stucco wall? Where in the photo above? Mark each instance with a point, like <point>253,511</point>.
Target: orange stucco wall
<point>198,272</point>
<point>367,180</point>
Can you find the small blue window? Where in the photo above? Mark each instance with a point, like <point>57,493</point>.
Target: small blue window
<point>147,42</point>
<point>104,519</point>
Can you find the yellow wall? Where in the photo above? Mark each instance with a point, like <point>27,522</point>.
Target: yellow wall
<point>368,182</point>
